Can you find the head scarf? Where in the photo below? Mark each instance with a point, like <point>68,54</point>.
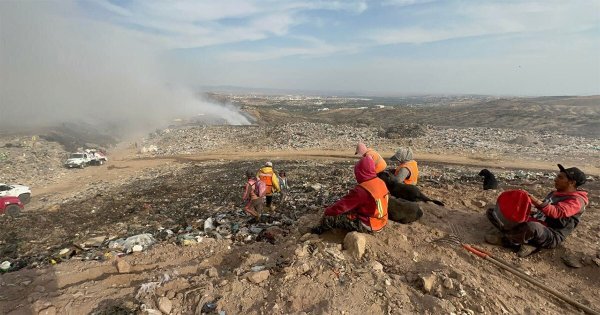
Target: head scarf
<point>403,154</point>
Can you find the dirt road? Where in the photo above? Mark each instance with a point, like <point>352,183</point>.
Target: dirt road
<point>125,162</point>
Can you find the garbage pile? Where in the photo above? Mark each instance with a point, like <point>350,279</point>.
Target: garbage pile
<point>30,160</point>
<point>492,142</point>
<point>181,204</point>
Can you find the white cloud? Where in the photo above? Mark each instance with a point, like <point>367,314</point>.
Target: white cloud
<point>490,19</point>
<point>311,47</point>
<point>402,3</point>
<point>187,24</point>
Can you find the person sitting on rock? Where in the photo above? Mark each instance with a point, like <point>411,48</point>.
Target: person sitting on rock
<point>556,217</point>
<point>362,150</point>
<point>364,208</point>
<point>407,171</point>
<point>252,195</point>
<point>267,176</point>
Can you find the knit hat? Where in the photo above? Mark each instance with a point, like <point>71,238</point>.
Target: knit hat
<point>361,149</point>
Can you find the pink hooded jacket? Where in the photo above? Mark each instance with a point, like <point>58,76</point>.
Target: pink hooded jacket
<point>358,201</point>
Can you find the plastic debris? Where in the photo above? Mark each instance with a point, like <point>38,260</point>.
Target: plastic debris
<point>209,225</point>
<point>134,243</point>
<point>5,266</point>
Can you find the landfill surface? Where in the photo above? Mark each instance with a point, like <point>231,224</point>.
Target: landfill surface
<point>160,228</point>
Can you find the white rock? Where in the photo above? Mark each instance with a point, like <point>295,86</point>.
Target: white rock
<point>355,244</point>
<point>165,305</point>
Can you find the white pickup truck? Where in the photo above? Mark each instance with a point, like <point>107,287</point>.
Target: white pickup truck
<point>79,159</point>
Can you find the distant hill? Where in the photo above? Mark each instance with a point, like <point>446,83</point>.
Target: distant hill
<point>574,115</point>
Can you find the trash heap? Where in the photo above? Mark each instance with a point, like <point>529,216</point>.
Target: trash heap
<point>491,142</point>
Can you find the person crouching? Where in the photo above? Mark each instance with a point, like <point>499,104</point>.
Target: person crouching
<point>552,220</point>
<point>364,208</point>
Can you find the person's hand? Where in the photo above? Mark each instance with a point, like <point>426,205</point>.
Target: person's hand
<point>534,200</point>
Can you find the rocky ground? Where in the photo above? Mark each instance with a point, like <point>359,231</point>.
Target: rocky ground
<point>73,251</point>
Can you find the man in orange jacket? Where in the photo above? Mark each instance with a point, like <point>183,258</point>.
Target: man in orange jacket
<point>362,150</point>
<point>364,208</point>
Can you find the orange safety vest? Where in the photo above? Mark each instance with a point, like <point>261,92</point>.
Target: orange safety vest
<point>380,163</point>
<point>267,178</point>
<point>377,189</point>
<point>412,169</point>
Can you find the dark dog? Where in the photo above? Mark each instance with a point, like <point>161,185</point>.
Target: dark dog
<point>402,211</point>
<point>404,191</point>
<point>489,180</point>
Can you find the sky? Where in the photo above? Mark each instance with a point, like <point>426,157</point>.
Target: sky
<point>117,59</point>
<point>393,46</point>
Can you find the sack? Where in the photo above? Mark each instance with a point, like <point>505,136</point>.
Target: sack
<point>260,189</point>
<point>514,206</point>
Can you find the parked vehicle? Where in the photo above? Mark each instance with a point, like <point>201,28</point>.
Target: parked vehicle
<point>79,159</point>
<point>20,191</point>
<point>11,205</point>
<point>96,157</point>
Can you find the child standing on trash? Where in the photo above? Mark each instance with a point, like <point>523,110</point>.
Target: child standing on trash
<point>283,185</point>
<point>253,196</point>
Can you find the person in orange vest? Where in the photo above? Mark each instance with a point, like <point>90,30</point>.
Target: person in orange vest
<point>407,171</point>
<point>364,208</point>
<point>267,176</point>
<point>362,150</point>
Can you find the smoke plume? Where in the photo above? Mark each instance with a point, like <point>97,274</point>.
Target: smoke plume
<point>58,66</point>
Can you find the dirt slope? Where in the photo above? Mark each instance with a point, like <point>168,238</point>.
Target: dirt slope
<point>306,273</point>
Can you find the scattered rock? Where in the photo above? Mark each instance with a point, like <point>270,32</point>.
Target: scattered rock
<point>376,266</point>
<point>448,283</point>
<point>301,251</point>
<point>572,261</point>
<point>94,241</point>
<point>355,244</point>
<point>165,305</point>
<point>212,272</point>
<point>428,282</point>
<point>48,311</point>
<point>258,277</point>
<point>123,266</point>
<point>478,203</point>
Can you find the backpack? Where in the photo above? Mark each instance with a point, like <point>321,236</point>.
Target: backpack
<point>513,207</point>
<point>260,188</point>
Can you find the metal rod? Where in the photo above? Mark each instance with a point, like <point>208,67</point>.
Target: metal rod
<point>528,278</point>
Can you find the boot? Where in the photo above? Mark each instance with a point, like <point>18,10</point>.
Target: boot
<point>526,250</point>
<point>494,238</point>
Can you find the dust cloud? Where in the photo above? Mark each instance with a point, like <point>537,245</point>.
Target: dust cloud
<point>57,66</point>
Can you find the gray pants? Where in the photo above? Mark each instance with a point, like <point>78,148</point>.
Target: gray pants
<point>532,233</point>
<point>343,222</point>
